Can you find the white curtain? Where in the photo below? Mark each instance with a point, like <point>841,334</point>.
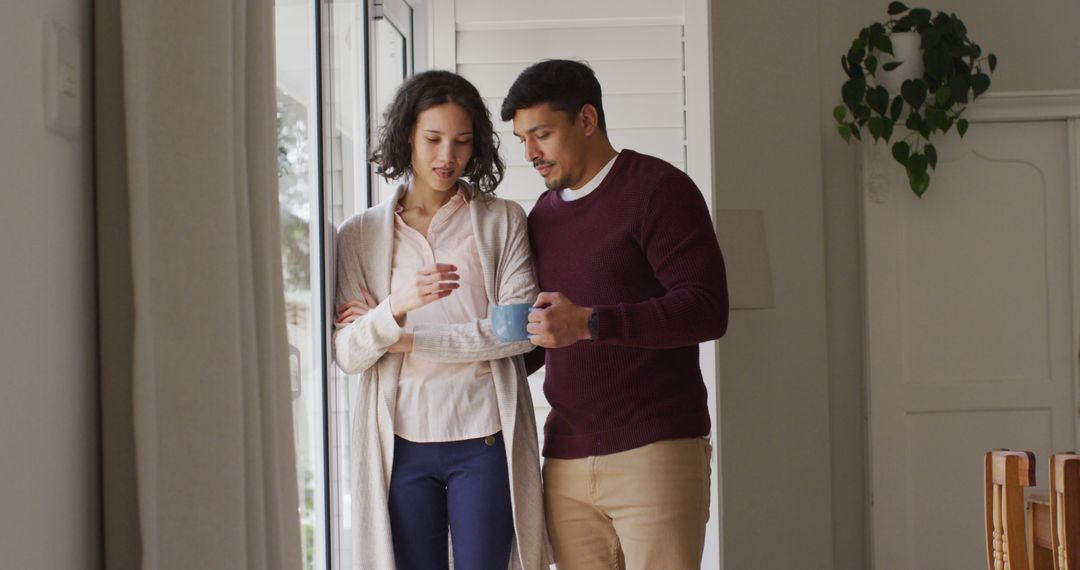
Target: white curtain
<point>198,451</point>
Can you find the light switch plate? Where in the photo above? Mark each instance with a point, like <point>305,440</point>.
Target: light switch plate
<point>63,81</point>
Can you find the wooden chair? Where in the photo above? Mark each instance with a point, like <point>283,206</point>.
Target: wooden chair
<point>1005,474</point>
<point>1065,510</point>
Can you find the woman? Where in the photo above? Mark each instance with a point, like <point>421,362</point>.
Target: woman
<point>444,433</point>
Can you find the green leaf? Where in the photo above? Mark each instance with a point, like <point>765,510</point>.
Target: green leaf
<point>960,85</point>
<point>943,97</point>
<point>920,16</point>
<point>919,182</point>
<point>878,99</point>
<point>897,108</point>
<point>882,43</point>
<point>892,65</point>
<point>979,84</point>
<point>900,151</point>
<point>936,62</point>
<point>852,91</point>
<point>855,60</point>
<point>959,50</point>
<point>845,131</point>
<point>961,29</point>
<point>855,131</point>
<point>962,126</point>
<point>896,8</point>
<point>886,129</point>
<point>917,163</point>
<point>914,121</point>
<point>992,59</point>
<point>875,126</point>
<point>935,119</point>
<point>931,155</point>
<point>839,112</point>
<point>917,175</point>
<point>914,92</point>
<point>942,22</point>
<point>871,64</point>
<point>931,38</point>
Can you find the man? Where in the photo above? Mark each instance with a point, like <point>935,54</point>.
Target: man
<point>633,280</point>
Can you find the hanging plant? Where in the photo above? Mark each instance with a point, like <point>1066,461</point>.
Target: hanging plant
<point>929,100</point>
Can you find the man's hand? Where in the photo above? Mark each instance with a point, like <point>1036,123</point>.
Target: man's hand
<point>557,322</point>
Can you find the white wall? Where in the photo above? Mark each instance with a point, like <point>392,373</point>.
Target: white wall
<point>773,369</point>
<point>839,21</point>
<point>49,508</point>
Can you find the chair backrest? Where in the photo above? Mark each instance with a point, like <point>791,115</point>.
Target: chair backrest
<point>1005,474</point>
<point>1065,510</point>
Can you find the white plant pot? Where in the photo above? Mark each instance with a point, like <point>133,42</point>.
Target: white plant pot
<point>907,49</point>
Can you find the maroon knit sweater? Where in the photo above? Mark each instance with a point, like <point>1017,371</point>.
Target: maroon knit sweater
<point>642,250</point>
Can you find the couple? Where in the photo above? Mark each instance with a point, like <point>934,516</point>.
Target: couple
<point>621,246</point>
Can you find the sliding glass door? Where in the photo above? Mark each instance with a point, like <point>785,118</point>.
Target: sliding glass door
<point>298,186</point>
<point>339,63</point>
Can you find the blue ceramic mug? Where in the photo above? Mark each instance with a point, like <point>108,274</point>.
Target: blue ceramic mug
<point>510,321</point>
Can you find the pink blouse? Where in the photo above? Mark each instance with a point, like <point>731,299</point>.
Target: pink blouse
<point>440,401</point>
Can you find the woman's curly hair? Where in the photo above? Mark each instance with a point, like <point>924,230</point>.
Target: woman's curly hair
<point>393,152</point>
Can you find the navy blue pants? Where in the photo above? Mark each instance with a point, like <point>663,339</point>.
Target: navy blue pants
<point>460,485</point>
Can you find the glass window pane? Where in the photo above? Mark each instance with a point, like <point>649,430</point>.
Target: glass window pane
<point>301,265</point>
<point>346,126</point>
<point>390,69</point>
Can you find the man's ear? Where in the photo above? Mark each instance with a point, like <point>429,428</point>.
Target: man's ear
<point>590,119</point>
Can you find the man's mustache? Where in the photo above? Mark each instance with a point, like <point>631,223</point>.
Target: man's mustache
<point>539,162</point>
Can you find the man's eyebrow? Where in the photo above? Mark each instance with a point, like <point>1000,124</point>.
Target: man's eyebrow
<point>532,129</point>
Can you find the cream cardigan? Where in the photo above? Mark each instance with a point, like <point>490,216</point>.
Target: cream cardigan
<point>364,259</point>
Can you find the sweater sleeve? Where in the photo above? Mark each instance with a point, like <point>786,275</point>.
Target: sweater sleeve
<point>535,360</point>
<point>475,340</point>
<point>359,344</point>
<point>678,239</point>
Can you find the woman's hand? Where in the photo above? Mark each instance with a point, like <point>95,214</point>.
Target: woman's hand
<point>353,310</point>
<point>430,284</point>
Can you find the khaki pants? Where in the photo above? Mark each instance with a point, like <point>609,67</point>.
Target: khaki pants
<point>645,508</point>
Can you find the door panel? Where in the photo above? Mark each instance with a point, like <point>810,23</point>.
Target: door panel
<point>969,328</point>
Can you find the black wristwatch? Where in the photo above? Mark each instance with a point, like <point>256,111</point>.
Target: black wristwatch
<point>594,324</point>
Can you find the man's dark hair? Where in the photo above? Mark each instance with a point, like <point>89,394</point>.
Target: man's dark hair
<point>564,84</point>
<point>393,153</point>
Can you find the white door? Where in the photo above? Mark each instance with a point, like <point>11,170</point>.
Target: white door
<point>970,328</point>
